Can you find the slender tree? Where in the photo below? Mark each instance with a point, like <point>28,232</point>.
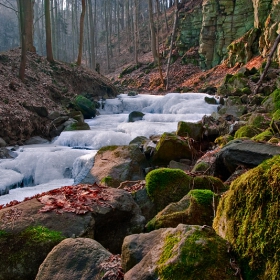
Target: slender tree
<point>48,32</point>
<point>153,33</point>
<point>82,19</point>
<point>176,12</point>
<point>23,40</point>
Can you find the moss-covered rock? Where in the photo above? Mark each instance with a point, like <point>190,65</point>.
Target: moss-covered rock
<point>184,252</point>
<point>165,185</point>
<point>192,130</point>
<point>22,253</point>
<point>247,131</point>
<point>172,147</point>
<point>248,217</point>
<point>85,106</point>
<point>196,208</point>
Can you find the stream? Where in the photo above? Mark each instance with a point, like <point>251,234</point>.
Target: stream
<point>69,157</point>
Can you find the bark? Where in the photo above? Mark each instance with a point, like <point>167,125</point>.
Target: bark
<point>269,59</point>
<point>171,43</point>
<point>23,42</point>
<point>136,31</point>
<point>92,35</point>
<point>29,15</point>
<point>48,32</point>
<point>153,34</point>
<point>82,19</point>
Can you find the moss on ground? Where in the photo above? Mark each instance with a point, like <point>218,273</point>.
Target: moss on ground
<point>247,131</point>
<point>250,213</point>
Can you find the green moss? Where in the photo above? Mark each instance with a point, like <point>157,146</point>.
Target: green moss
<point>77,126</point>
<point>42,234</point>
<point>246,131</point>
<point>276,115</point>
<point>107,148</point>
<point>276,99</point>
<point>200,167</point>
<point>208,182</point>
<point>81,103</point>
<point>165,185</point>
<point>223,140</point>
<point>196,256</point>
<point>203,197</point>
<point>251,212</point>
<point>264,136</point>
<point>22,253</point>
<point>106,180</point>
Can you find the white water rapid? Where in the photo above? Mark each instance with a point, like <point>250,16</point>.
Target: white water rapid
<point>67,160</point>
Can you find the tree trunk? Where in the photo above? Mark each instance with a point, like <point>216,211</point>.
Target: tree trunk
<point>82,19</point>
<point>259,83</point>
<point>48,32</point>
<point>171,43</point>
<point>23,41</point>
<point>153,34</point>
<point>92,35</point>
<point>29,15</point>
<point>136,31</point>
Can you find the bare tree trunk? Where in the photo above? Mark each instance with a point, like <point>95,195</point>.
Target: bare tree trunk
<point>29,15</point>
<point>259,83</point>
<point>23,41</point>
<point>136,31</point>
<point>48,32</point>
<point>152,29</point>
<point>158,39</point>
<point>171,43</point>
<point>92,35</point>
<point>82,18</point>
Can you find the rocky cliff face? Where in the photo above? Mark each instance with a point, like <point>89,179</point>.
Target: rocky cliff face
<point>235,30</point>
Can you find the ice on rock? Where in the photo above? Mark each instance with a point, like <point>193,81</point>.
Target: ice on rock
<point>9,179</point>
<point>82,166</point>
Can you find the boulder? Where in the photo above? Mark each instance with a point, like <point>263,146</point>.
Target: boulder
<point>172,147</point>
<point>135,116</point>
<point>248,217</point>
<point>36,140</point>
<point>79,258</point>
<point>196,208</point>
<point>2,143</point>
<point>107,221</point>
<point>85,106</point>
<point>165,185</point>
<point>115,164</point>
<point>184,252</point>
<point>5,153</point>
<point>246,153</point>
<point>23,252</point>
<point>191,130</point>
<point>39,110</point>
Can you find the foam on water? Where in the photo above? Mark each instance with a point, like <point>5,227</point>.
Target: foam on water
<point>57,164</point>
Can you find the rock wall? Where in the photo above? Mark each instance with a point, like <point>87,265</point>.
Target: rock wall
<point>232,30</point>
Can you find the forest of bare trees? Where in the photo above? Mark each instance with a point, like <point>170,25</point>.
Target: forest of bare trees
<point>89,32</point>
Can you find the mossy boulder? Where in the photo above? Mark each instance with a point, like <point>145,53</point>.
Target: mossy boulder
<point>191,130</point>
<point>223,140</point>
<point>248,131</point>
<point>264,136</point>
<point>196,208</point>
<point>76,126</point>
<point>248,217</point>
<point>172,147</point>
<point>184,252</point>
<point>85,106</point>
<point>165,185</point>
<point>135,116</point>
<point>23,252</point>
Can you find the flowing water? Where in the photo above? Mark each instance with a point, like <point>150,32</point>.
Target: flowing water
<point>67,160</point>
